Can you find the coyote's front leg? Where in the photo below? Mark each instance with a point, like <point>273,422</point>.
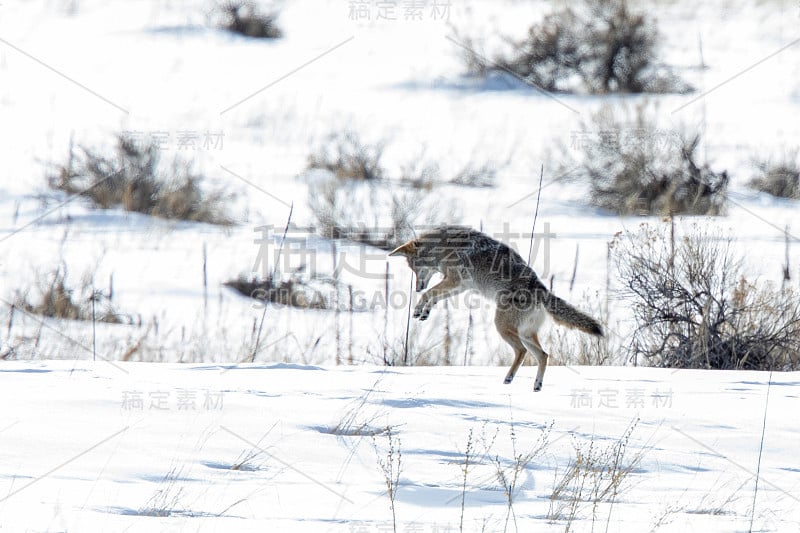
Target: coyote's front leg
<point>443,289</point>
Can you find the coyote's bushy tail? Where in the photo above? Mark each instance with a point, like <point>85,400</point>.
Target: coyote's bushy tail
<point>565,314</point>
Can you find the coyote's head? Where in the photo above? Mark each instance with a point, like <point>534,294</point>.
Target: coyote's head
<point>422,265</point>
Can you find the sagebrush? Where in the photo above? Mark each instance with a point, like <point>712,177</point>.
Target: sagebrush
<point>348,157</point>
<point>132,177</point>
<point>693,307</point>
<point>594,46</point>
<point>633,167</point>
<point>248,19</point>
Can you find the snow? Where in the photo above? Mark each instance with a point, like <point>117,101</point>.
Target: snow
<point>81,454</point>
<point>76,456</point>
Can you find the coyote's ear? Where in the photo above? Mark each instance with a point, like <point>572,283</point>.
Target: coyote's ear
<point>407,249</point>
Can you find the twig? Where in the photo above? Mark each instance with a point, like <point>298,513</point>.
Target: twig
<point>274,271</point>
<point>350,335</point>
<point>205,279</point>
<point>94,326</point>
<point>467,457</point>
<point>469,336</point>
<point>408,321</point>
<point>574,268</point>
<point>760,451</point>
<point>536,213</point>
<point>338,334</point>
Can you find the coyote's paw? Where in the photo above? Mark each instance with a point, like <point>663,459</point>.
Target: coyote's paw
<point>421,311</point>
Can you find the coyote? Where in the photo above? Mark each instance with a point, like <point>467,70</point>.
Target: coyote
<point>470,259</point>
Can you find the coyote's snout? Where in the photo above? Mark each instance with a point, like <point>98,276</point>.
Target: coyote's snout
<point>469,259</point>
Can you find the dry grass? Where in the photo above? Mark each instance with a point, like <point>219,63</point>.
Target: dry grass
<point>251,459</point>
<point>508,472</point>
<point>359,418</point>
<point>567,348</point>
<point>133,178</point>
<point>390,467</point>
<point>596,474</point>
<point>348,157</point>
<point>420,172</point>
<point>779,178</point>
<point>477,174</point>
<point>58,300</point>
<point>167,500</point>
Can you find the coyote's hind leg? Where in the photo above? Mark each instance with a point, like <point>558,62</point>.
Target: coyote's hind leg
<point>531,342</point>
<point>511,336</point>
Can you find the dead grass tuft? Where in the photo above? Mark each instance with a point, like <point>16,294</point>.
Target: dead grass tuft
<point>58,300</point>
<point>132,178</point>
<point>348,157</point>
<point>779,178</point>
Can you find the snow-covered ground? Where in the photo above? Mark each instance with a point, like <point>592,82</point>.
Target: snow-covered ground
<point>100,447</point>
<point>79,455</point>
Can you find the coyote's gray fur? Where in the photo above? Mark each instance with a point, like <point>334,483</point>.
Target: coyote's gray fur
<point>470,259</point>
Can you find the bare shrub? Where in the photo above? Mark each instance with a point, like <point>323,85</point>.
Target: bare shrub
<point>600,47</point>
<point>246,18</point>
<point>294,292</point>
<point>635,168</point>
<point>348,157</point>
<point>131,178</point>
<point>694,309</point>
<point>779,178</point>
